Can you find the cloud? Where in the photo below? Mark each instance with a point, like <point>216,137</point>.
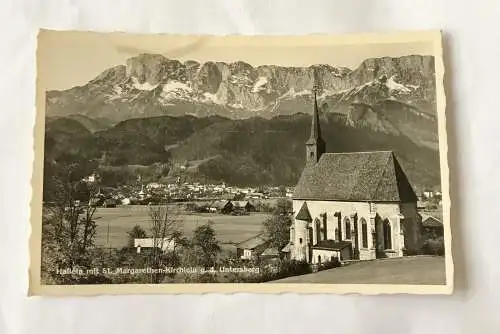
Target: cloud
<point>173,53</point>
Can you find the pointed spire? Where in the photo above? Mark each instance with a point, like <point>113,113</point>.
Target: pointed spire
<point>315,145</point>
<point>315,127</point>
<point>304,213</point>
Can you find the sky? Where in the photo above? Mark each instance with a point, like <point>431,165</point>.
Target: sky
<point>68,59</point>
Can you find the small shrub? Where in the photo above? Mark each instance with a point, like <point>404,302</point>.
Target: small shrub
<point>334,263</point>
<point>407,252</point>
<point>434,247</point>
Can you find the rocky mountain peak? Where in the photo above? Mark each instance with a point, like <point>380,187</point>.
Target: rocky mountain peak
<point>153,85</point>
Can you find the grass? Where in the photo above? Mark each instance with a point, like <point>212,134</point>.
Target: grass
<point>229,229</point>
<point>428,270</point>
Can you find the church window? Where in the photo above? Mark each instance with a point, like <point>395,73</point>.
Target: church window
<point>387,235</point>
<point>325,227</point>
<point>300,241</point>
<point>347,228</point>
<point>364,233</point>
<point>318,230</point>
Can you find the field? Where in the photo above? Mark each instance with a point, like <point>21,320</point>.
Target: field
<point>407,270</point>
<point>122,219</point>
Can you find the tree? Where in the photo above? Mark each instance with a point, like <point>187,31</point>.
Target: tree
<point>159,170</point>
<point>136,232</point>
<point>239,197</point>
<point>68,233</point>
<point>164,229</point>
<point>204,239</point>
<point>277,226</point>
<point>282,191</point>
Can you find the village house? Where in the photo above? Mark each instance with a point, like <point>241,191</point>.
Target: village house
<point>222,206</point>
<point>357,205</point>
<point>244,206</point>
<point>165,244</point>
<point>254,248</point>
<point>432,227</point>
<point>91,178</point>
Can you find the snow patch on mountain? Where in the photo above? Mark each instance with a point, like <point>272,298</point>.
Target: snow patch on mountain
<point>240,80</point>
<point>116,94</point>
<point>175,90</point>
<point>326,93</point>
<point>259,85</point>
<point>291,93</point>
<point>143,86</point>
<point>236,106</point>
<point>395,86</point>
<point>176,87</point>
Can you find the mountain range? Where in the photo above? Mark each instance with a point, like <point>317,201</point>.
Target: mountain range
<point>254,151</point>
<point>246,124</point>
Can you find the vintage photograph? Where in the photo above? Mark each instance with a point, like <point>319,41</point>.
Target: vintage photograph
<point>169,163</point>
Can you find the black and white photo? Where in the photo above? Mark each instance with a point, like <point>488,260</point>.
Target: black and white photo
<point>168,163</point>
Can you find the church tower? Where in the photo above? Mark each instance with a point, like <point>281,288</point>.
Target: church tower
<point>315,145</point>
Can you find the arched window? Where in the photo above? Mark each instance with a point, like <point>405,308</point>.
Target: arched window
<point>325,226</point>
<point>364,233</point>
<point>300,241</point>
<point>319,259</point>
<point>317,226</point>
<point>387,235</point>
<point>347,223</point>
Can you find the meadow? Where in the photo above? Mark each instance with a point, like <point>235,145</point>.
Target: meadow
<point>114,223</point>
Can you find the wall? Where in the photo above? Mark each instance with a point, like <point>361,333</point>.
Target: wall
<point>373,213</point>
<point>300,251</point>
<point>326,255</point>
<point>412,227</point>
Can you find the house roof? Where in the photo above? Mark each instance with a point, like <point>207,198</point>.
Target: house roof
<point>304,213</point>
<point>431,221</point>
<point>253,242</point>
<point>358,176</point>
<point>241,204</point>
<point>220,204</point>
<point>271,251</point>
<point>287,248</point>
<point>332,245</point>
<point>165,243</point>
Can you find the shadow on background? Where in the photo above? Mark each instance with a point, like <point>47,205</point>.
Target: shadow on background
<point>456,211</point>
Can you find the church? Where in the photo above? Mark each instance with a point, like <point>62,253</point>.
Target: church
<point>351,206</point>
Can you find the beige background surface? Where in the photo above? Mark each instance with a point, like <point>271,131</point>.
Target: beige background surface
<point>472,58</point>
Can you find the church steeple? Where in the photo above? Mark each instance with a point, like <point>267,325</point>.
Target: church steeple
<point>315,145</point>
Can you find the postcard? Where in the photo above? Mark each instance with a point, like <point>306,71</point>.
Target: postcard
<point>264,164</point>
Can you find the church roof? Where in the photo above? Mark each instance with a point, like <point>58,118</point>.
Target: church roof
<point>304,213</point>
<point>359,176</point>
